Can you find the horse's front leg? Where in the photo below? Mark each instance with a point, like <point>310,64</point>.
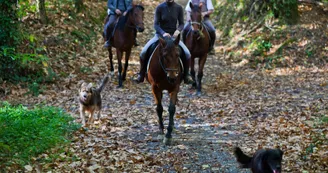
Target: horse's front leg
<point>159,109</point>
<point>173,100</point>
<point>192,70</point>
<point>201,65</point>
<point>110,55</point>
<point>127,56</point>
<point>119,55</point>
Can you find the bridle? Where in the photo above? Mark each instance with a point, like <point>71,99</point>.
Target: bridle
<point>197,23</point>
<point>166,70</point>
<point>200,24</point>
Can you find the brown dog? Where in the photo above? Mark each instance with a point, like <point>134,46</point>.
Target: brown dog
<point>90,100</point>
<point>263,161</point>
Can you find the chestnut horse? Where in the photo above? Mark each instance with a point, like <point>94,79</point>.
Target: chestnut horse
<point>198,42</point>
<point>164,72</point>
<point>123,38</point>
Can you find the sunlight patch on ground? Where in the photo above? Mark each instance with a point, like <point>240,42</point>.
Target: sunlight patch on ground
<point>297,69</point>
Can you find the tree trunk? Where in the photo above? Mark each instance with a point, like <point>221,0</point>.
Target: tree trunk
<point>43,13</point>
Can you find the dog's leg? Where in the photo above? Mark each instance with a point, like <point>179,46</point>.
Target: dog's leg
<point>91,116</point>
<point>82,115</point>
<point>98,115</point>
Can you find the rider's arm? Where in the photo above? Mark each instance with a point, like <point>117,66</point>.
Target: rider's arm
<point>188,10</point>
<point>131,3</point>
<point>210,8</point>
<point>180,18</point>
<point>110,5</point>
<point>157,21</point>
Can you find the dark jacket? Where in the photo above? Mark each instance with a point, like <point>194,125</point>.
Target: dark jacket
<point>167,18</point>
<point>112,5</point>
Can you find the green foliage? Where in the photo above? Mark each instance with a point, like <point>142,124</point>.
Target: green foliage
<point>250,12</point>
<point>19,62</point>
<point>262,46</point>
<point>25,133</point>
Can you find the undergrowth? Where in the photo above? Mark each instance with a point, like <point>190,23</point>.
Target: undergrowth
<point>26,133</point>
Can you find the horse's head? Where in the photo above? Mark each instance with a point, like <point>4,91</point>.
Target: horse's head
<point>137,17</point>
<point>169,57</point>
<point>196,18</point>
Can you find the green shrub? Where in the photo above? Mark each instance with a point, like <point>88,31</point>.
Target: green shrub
<point>26,133</point>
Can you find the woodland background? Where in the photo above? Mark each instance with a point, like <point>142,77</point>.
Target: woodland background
<point>266,87</point>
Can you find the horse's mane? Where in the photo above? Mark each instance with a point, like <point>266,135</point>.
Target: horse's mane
<point>123,19</point>
<point>196,7</point>
<point>169,42</point>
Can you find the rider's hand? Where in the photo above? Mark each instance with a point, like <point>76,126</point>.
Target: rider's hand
<point>118,12</point>
<point>204,14</point>
<point>176,33</point>
<point>166,35</point>
<point>125,13</point>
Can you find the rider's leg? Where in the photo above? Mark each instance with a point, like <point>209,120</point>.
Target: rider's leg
<point>185,31</point>
<point>144,59</point>
<point>211,31</point>
<point>109,29</point>
<point>186,63</point>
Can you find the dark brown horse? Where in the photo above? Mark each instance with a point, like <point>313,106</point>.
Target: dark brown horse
<point>123,38</point>
<point>165,73</point>
<point>198,42</point>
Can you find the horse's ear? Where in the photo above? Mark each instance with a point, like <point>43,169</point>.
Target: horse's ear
<point>177,40</point>
<point>191,5</point>
<point>162,42</point>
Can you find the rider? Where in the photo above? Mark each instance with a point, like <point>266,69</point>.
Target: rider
<point>115,9</point>
<point>207,9</point>
<point>167,15</point>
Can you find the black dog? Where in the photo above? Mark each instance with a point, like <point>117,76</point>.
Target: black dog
<point>263,161</point>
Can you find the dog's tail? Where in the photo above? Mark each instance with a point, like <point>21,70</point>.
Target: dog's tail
<point>242,158</point>
<point>104,82</point>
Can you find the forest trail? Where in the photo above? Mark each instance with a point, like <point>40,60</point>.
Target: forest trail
<point>240,106</point>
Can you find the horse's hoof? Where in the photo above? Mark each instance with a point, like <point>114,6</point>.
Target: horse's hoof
<point>199,93</point>
<point>167,141</point>
<point>119,86</point>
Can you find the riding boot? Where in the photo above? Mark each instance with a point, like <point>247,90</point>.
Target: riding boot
<point>108,36</point>
<point>212,40</point>
<point>142,71</point>
<point>186,64</point>
<point>184,35</point>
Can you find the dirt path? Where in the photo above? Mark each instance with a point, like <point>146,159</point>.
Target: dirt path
<point>240,106</point>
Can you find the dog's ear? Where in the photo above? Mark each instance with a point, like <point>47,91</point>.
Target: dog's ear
<point>89,85</point>
<point>83,84</point>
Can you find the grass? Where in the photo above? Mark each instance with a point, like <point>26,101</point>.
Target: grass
<point>26,133</point>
